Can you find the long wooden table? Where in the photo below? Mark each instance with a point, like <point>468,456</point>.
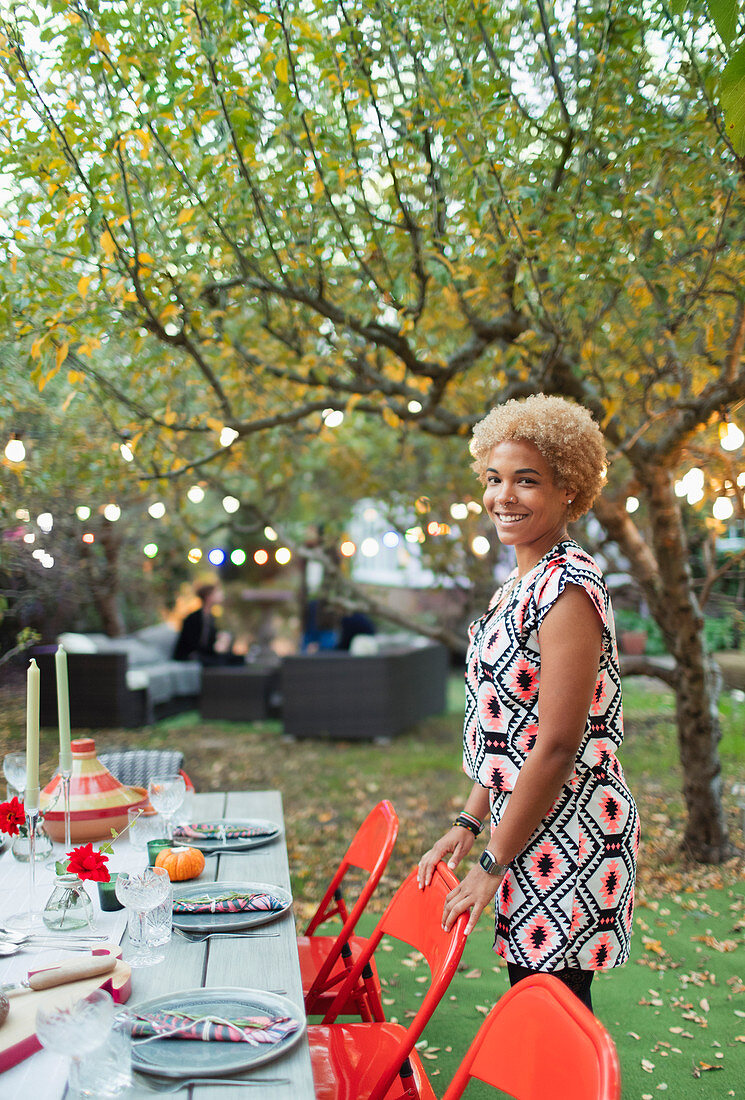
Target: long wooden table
<point>267,963</point>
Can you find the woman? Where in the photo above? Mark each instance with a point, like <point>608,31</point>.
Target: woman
<point>199,639</point>
<point>543,714</point>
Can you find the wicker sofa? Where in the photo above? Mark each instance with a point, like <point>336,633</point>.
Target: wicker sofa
<point>119,682</point>
<point>379,689</point>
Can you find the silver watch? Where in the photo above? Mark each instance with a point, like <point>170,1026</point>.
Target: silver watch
<point>489,863</point>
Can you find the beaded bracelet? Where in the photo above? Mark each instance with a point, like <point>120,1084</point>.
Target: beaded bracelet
<point>468,821</point>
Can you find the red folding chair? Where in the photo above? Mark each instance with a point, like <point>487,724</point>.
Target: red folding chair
<point>538,1042</point>
<point>371,1061</point>
<point>325,960</point>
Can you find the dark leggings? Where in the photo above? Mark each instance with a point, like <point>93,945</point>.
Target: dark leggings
<point>578,981</point>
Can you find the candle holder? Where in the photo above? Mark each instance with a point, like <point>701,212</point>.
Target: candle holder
<point>30,919</point>
<point>66,775</point>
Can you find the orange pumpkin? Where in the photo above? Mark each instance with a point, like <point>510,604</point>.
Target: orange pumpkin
<point>181,863</point>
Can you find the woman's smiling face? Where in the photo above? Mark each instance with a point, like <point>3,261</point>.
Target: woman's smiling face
<point>526,506</point>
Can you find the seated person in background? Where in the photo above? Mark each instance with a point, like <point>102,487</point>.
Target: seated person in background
<point>357,622</point>
<point>199,639</point>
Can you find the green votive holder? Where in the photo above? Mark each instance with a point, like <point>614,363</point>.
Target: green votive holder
<point>107,895</point>
<point>155,846</point>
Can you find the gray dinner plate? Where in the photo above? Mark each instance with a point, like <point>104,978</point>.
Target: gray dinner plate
<point>227,922</point>
<point>210,846</point>
<point>191,1058</point>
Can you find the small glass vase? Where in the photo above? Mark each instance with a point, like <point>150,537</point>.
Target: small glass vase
<point>69,905</point>
<point>42,848</point>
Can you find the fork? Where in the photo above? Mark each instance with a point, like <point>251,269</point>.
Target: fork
<point>200,937</point>
<point>157,1084</point>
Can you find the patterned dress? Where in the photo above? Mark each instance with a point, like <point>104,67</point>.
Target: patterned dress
<point>568,898</point>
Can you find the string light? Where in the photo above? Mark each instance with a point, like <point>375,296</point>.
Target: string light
<point>195,494</point>
<point>112,512</point>
<point>157,509</point>
<point>194,555</point>
<point>369,548</point>
<point>150,549</point>
<point>283,555</point>
<point>231,504</point>
<point>216,556</point>
<point>126,452</point>
<point>459,511</point>
<point>238,556</point>
<point>332,418</point>
<point>632,504</point>
<point>261,557</point>
<point>228,436</point>
<point>271,534</point>
<point>45,522</point>
<point>722,508</point>
<point>83,512</point>
<point>347,549</point>
<point>730,437</point>
<point>480,546</point>
<point>15,450</point>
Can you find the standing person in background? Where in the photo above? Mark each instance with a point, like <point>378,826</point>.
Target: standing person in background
<point>543,714</point>
<point>198,639</point>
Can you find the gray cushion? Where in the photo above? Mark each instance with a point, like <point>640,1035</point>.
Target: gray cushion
<point>160,636</point>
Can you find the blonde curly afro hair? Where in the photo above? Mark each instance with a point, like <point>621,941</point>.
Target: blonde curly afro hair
<point>564,433</point>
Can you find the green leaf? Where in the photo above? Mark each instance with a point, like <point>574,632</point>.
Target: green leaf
<point>724,15</point>
<point>732,98</point>
<point>60,867</point>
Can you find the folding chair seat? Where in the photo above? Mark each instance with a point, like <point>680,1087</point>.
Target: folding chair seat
<point>372,1061</point>
<point>538,1042</point>
<point>135,767</point>
<point>325,960</point>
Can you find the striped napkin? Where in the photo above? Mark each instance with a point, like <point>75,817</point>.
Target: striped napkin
<point>229,903</point>
<point>219,830</point>
<point>253,1030</point>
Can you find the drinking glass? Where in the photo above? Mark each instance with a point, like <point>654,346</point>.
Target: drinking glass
<point>14,770</point>
<point>140,892</point>
<point>166,793</point>
<point>98,1045</point>
<point>144,825</point>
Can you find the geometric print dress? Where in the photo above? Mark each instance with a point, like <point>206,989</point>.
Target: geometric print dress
<point>567,899</point>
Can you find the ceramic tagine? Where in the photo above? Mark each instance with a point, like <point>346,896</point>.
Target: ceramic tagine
<point>98,801</point>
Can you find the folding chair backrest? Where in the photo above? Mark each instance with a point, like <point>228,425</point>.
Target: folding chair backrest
<point>369,851</point>
<point>540,1041</point>
<point>413,916</point>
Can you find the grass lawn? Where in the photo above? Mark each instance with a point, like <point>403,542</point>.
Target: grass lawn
<point>682,993</point>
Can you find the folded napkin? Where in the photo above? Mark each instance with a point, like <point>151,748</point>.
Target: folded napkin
<point>218,830</point>
<point>229,903</point>
<point>253,1030</point>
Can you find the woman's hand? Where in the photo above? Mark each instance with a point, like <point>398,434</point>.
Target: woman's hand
<point>457,842</point>
<point>475,892</point>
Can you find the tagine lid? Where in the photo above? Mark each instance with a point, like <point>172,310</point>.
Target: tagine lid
<point>94,791</point>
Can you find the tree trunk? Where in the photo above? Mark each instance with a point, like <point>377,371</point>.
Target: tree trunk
<point>672,600</point>
<point>104,582</point>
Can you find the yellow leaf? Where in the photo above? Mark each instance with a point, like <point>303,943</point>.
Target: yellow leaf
<point>36,347</point>
<point>13,263</point>
<point>83,284</point>
<point>185,216</point>
<point>61,355</point>
<point>100,42</point>
<point>390,417</point>
<point>281,70</point>
<point>107,244</point>
<point>215,425</point>
<point>75,376</point>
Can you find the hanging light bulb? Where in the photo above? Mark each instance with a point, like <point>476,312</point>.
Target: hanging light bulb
<point>14,449</point>
<point>730,436</point>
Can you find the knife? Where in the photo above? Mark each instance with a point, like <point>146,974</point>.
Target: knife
<point>71,971</point>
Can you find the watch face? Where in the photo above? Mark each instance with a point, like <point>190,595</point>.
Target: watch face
<point>487,861</point>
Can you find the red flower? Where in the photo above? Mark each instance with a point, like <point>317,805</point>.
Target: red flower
<point>88,864</point>
<point>12,814</point>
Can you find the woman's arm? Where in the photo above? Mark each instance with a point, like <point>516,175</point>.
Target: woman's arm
<point>570,640</point>
<point>458,841</point>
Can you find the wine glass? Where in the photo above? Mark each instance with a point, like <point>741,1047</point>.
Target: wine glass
<point>140,892</point>
<point>14,770</point>
<point>166,793</point>
<point>78,1030</point>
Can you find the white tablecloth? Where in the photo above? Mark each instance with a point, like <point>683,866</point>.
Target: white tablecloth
<point>43,1077</point>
